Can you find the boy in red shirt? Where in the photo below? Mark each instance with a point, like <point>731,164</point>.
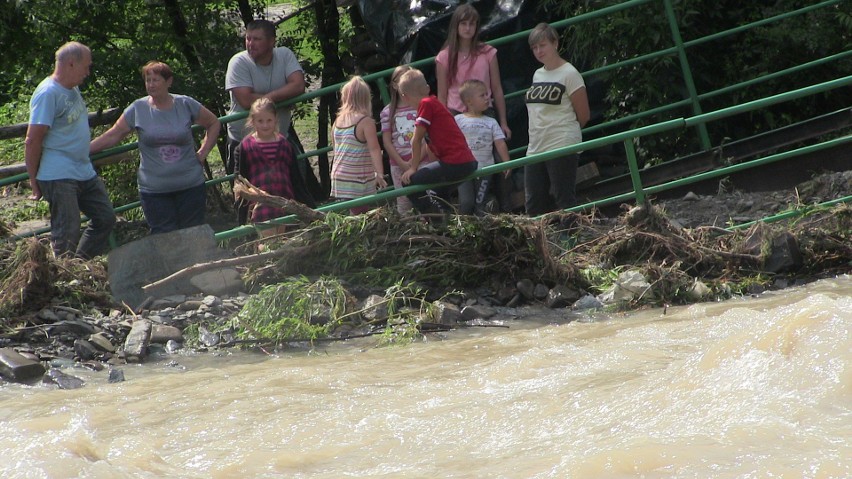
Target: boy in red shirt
<point>445,139</point>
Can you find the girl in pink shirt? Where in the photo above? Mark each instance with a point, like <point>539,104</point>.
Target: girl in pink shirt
<point>463,58</point>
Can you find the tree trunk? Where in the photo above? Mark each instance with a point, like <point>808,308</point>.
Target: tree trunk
<point>328,31</point>
<point>181,34</point>
<point>245,11</point>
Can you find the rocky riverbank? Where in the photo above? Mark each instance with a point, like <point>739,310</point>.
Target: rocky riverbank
<point>468,273</point>
<point>60,337</point>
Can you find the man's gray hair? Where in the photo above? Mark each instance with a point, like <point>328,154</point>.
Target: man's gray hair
<point>71,51</point>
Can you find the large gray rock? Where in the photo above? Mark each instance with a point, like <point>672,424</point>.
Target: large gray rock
<point>17,367</point>
<point>162,334</point>
<point>64,381</point>
<point>561,296</point>
<point>141,262</point>
<point>779,251</point>
<point>540,291</point>
<point>136,344</point>
<point>477,311</point>
<point>447,313</point>
<point>374,307</point>
<point>221,281</point>
<point>526,287</point>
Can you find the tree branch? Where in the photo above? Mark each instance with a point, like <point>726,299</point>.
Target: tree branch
<point>246,191</point>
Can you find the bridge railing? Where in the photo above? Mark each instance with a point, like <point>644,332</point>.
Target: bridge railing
<point>693,100</point>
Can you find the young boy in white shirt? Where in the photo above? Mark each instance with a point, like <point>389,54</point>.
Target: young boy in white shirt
<point>483,135</point>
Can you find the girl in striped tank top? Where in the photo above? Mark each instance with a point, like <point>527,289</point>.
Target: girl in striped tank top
<point>264,158</point>
<point>358,167</point>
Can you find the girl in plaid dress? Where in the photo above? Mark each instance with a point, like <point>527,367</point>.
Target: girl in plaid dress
<point>265,157</point>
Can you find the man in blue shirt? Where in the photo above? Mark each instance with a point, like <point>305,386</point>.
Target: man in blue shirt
<point>57,157</point>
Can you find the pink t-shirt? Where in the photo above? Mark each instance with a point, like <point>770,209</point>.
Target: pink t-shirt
<point>477,67</point>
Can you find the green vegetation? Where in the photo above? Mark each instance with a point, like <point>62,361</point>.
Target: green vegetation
<point>302,309</point>
<point>296,309</point>
<point>403,318</point>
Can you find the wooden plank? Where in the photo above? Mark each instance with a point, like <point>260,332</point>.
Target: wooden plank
<point>97,118</point>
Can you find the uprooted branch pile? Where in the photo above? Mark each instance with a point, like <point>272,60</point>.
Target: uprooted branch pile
<point>381,249</point>
<point>30,278</point>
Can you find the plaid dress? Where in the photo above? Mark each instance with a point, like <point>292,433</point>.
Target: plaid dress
<point>267,166</point>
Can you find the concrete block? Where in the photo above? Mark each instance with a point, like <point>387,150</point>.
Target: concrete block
<point>141,262</point>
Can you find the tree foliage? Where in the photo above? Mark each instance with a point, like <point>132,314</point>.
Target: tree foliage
<point>196,38</point>
<point>192,36</point>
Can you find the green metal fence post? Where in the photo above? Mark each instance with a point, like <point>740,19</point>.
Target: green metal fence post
<point>383,90</point>
<point>638,191</point>
<point>687,73</point>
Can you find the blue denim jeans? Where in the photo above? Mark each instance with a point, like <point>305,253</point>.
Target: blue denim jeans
<point>67,198</point>
<point>177,210</point>
<point>474,193</point>
<point>437,172</point>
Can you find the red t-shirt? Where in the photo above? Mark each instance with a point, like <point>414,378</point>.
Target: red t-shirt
<point>445,138</point>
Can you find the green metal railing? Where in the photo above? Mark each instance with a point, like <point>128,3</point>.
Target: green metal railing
<point>693,101</point>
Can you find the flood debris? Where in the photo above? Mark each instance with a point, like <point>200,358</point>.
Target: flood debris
<point>389,279</point>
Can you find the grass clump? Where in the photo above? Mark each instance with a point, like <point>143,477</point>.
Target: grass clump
<point>296,309</point>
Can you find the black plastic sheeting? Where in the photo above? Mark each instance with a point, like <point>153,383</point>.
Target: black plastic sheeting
<point>414,29</point>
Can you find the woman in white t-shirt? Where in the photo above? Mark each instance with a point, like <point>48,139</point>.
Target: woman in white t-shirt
<point>558,108</point>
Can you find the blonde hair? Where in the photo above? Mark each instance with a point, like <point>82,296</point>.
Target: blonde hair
<point>355,97</point>
<point>541,32</point>
<point>262,104</point>
<point>471,87</point>
<point>395,94</point>
<point>413,81</point>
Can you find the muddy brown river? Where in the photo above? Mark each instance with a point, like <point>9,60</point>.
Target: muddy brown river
<point>747,388</point>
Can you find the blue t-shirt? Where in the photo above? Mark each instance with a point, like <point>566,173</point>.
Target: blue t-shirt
<point>166,145</point>
<point>65,150</point>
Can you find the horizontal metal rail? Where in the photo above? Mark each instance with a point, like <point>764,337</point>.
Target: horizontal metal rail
<point>794,213</point>
<point>669,125</point>
<point>696,120</point>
